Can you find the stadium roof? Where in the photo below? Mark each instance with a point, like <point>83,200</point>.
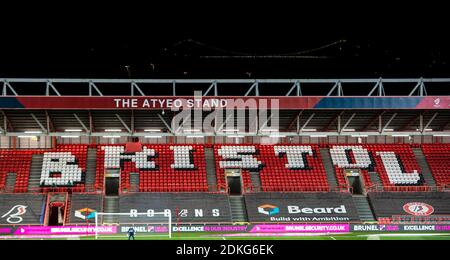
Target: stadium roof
<point>19,122</point>
<point>383,119</point>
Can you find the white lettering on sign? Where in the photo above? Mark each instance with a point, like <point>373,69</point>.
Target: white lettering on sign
<point>170,103</point>
<point>196,213</point>
<point>299,210</point>
<point>126,103</point>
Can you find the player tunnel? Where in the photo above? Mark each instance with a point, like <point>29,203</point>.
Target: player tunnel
<point>56,209</point>
<point>234,181</point>
<point>112,182</point>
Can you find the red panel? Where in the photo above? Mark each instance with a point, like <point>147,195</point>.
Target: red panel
<point>148,103</point>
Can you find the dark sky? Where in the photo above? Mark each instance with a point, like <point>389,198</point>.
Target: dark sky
<point>224,42</point>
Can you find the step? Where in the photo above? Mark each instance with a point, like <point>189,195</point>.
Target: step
<point>10,181</point>
<point>375,178</point>
<point>35,171</point>
<point>91,168</point>
<point>134,182</point>
<point>363,208</point>
<point>328,165</point>
<point>238,209</point>
<point>111,205</point>
<point>255,179</point>
<point>423,164</point>
<point>211,169</point>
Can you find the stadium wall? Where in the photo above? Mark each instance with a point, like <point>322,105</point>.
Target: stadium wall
<point>244,230</point>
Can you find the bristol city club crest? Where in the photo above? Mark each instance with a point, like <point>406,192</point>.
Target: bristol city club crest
<point>418,209</point>
<point>14,216</point>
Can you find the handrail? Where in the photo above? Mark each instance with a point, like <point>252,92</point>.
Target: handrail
<point>381,188</point>
<point>136,189</point>
<point>338,188</point>
<point>249,189</point>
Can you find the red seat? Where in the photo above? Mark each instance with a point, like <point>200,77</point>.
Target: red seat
<point>276,177</point>
<point>403,152</point>
<point>438,158</point>
<point>164,179</point>
<point>19,162</point>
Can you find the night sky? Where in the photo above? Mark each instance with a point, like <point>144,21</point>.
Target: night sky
<point>224,42</point>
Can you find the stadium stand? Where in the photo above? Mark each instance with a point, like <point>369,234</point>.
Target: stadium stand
<point>71,159</point>
<point>228,156</point>
<point>287,168</point>
<point>323,158</point>
<point>161,174</point>
<point>170,176</point>
<point>395,164</point>
<point>281,168</point>
<point>18,162</point>
<point>66,157</point>
<point>304,171</point>
<point>438,158</point>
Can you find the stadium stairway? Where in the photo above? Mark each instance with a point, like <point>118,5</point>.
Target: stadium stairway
<point>211,169</point>
<point>363,207</point>
<point>35,172</point>
<point>134,182</point>
<point>111,205</point>
<point>238,209</point>
<point>91,169</point>
<point>426,172</point>
<point>375,179</point>
<point>255,179</point>
<point>10,181</point>
<point>328,165</point>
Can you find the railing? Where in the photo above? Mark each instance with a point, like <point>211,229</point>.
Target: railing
<point>39,190</point>
<point>444,188</point>
<point>339,188</point>
<point>408,219</point>
<point>6,189</point>
<point>381,188</point>
<point>91,189</point>
<point>134,188</point>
